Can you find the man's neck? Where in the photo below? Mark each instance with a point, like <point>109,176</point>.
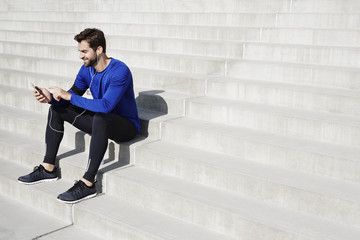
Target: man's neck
<point>102,63</point>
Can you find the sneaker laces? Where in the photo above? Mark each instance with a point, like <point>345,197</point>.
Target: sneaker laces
<point>37,170</point>
<point>76,186</point>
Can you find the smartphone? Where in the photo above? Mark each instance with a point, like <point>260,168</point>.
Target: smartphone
<point>40,92</point>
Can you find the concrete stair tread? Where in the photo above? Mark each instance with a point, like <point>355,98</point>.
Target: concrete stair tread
<point>71,232</point>
<point>296,64</point>
<point>66,39</point>
<point>309,54</point>
<point>248,209</point>
<point>293,86</point>
<point>163,93</point>
<point>29,151</point>
<point>219,61</point>
<point>34,146</point>
<point>292,95</point>
<point>307,182</point>
<point>307,123</point>
<point>207,6</point>
<point>133,70</point>
<point>109,208</point>
<point>202,24</point>
<point>313,75</point>
<point>35,224</point>
<point>261,136</point>
<point>19,221</point>
<point>161,61</point>
<point>213,18</point>
<point>154,40</point>
<point>169,80</point>
<point>280,35</point>
<point>124,51</point>
<point>42,196</point>
<point>296,113</point>
<point>318,19</point>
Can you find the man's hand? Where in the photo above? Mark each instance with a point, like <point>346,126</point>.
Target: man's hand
<point>59,94</point>
<point>40,97</point>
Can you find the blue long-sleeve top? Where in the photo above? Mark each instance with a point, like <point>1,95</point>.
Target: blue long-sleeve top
<point>112,91</point>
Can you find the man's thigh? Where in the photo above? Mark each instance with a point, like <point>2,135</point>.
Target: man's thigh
<point>78,117</point>
<point>120,129</point>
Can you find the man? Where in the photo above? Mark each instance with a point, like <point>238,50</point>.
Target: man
<point>111,113</point>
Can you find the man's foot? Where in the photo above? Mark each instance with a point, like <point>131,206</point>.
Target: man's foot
<point>39,174</point>
<point>77,193</point>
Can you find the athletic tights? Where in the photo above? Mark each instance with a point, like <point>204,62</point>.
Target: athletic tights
<point>100,126</point>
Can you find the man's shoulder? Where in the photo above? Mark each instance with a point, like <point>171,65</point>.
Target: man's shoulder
<point>118,66</point>
<point>117,63</point>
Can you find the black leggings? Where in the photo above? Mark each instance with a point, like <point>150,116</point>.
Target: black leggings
<point>101,127</point>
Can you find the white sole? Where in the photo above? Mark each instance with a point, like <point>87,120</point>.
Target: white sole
<point>79,200</point>
<point>40,181</point>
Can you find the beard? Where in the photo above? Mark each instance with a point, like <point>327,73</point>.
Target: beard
<point>91,62</point>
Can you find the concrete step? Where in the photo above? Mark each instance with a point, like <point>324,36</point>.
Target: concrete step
<point>317,36</point>
<point>162,101</point>
<point>271,70</point>
<point>172,18</point>
<point>143,78</point>
<point>30,125</point>
<point>245,19</point>
<point>211,48</point>
<point>294,96</point>
<point>282,20</point>
<point>319,20</point>
<point>155,6</point>
<point>325,127</point>
<point>22,139</point>
<point>307,54</point>
<point>39,196</point>
<point>23,79</point>
<point>191,6</point>
<point>219,170</point>
<point>71,232</point>
<point>326,6</point>
<point>274,71</point>
<point>116,219</point>
<point>150,30</point>
<point>169,81</point>
<point>154,99</point>
<point>33,223</point>
<point>33,121</point>
<point>318,75</point>
<point>219,211</point>
<point>167,62</point>
<point>276,186</point>
<point>281,151</point>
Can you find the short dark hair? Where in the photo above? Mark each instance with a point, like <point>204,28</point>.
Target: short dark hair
<point>94,37</point>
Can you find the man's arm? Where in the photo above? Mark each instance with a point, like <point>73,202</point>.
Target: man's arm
<point>118,85</point>
<point>60,93</point>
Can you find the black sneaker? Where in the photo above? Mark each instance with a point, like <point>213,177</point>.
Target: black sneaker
<point>78,193</point>
<point>39,175</point>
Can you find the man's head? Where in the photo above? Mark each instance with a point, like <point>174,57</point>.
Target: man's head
<point>92,43</point>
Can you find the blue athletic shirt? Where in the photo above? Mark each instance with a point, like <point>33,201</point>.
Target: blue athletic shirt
<point>112,91</point>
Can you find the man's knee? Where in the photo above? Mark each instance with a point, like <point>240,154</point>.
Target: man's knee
<point>99,121</point>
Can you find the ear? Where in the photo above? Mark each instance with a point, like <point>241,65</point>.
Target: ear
<point>99,50</point>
